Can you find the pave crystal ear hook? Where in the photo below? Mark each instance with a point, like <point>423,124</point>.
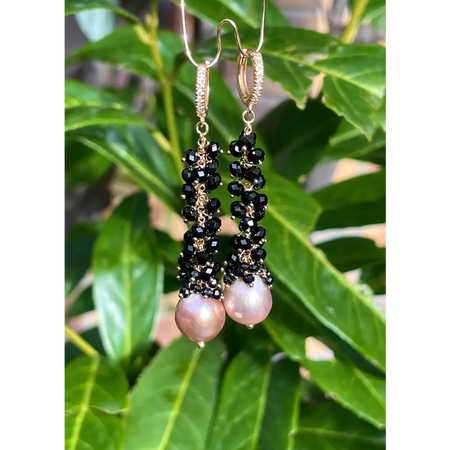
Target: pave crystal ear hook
<point>248,299</point>
<point>200,314</point>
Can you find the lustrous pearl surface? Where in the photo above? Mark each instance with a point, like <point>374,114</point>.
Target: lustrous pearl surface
<point>199,318</point>
<point>248,305</point>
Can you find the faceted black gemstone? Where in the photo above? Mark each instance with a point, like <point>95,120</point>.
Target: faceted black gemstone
<point>189,213</point>
<point>258,233</point>
<point>252,173</point>
<point>182,274</point>
<point>184,265</point>
<point>261,201</point>
<point>247,223</point>
<point>238,210</point>
<point>236,169</point>
<point>242,268</point>
<point>198,231</point>
<point>187,189</point>
<point>213,205</point>
<point>269,280</point>
<point>235,188</point>
<point>188,251</point>
<point>259,254</point>
<point>213,225</point>
<point>228,279</point>
<point>232,259</point>
<point>207,292</point>
<point>248,279</point>
<point>216,294</point>
<point>237,148</point>
<point>194,273</point>
<point>204,258</point>
<point>191,200</point>
<point>249,197</point>
<point>259,182</point>
<point>214,181</point>
<point>249,140</point>
<point>207,273</point>
<point>188,236</point>
<point>217,266</point>
<point>213,149</point>
<point>253,268</point>
<point>187,175</point>
<point>240,242</point>
<point>234,241</point>
<point>201,174</point>
<point>211,167</point>
<point>259,215</point>
<point>256,156</point>
<point>213,245</point>
<point>184,291</point>
<point>190,157</point>
<point>197,289</point>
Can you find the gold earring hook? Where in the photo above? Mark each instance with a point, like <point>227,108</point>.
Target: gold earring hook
<point>219,38</point>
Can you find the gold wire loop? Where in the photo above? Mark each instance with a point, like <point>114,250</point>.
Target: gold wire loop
<point>202,90</point>
<point>202,128</point>
<point>250,97</point>
<point>248,116</point>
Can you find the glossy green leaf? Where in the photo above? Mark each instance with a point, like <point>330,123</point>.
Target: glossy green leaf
<point>92,337</point>
<point>80,94</point>
<point>375,13</point>
<point>245,13</point>
<point>95,397</point>
<point>75,6</point>
<point>350,253</point>
<point>266,415</point>
<point>128,277</point>
<point>83,304</point>
<point>297,139</point>
<point>349,142</point>
<point>97,23</point>
<point>328,426</point>
<point>354,202</point>
<point>172,404</point>
<point>375,277</point>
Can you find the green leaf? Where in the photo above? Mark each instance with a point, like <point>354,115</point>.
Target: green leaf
<point>375,13</point>
<point>266,415</point>
<point>375,277</point>
<point>328,426</point>
<point>83,165</point>
<point>80,94</point>
<point>245,13</point>
<point>91,336</point>
<point>297,139</point>
<point>83,304</point>
<point>349,142</point>
<point>95,396</point>
<point>128,276</point>
<point>350,253</point>
<point>354,202</point>
<point>75,6</point>
<point>172,404</point>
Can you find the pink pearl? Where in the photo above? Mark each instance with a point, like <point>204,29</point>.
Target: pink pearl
<point>248,305</point>
<point>199,318</point>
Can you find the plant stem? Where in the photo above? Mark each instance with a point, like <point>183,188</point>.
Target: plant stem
<point>350,32</point>
<point>166,86</point>
<point>79,342</point>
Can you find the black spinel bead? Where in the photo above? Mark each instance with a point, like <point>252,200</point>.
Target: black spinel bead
<point>213,224</point>
<point>194,273</point>
<point>227,279</point>
<point>190,157</point>
<point>207,292</point>
<point>248,139</point>
<point>269,280</point>
<point>259,254</point>
<point>197,289</point>
<point>234,241</point>
<point>248,279</point>
<point>216,294</point>
<point>184,291</point>
<point>259,214</point>
<point>237,148</point>
<point>238,210</point>
<point>252,173</point>
<point>235,188</point>
<point>188,237</point>
<point>187,175</point>
<point>232,259</point>
<point>258,233</point>
<point>236,169</point>
<point>182,274</point>
<point>198,231</point>
<point>184,265</point>
<point>217,266</point>
<point>204,258</point>
<point>253,268</point>
<point>261,201</point>
<point>213,245</point>
<point>240,242</point>
<point>188,251</point>
<point>259,182</point>
<point>249,197</point>
<point>191,201</point>
<point>256,156</point>
<point>242,268</point>
<point>213,149</point>
<point>201,174</point>
<point>212,167</point>
<point>213,205</point>
<point>188,190</point>
<point>207,273</point>
<point>247,223</point>
<point>214,181</point>
<point>189,213</point>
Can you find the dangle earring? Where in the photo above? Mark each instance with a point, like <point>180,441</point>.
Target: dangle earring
<point>248,299</point>
<point>200,314</point>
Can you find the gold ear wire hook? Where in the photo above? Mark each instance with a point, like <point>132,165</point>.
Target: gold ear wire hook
<point>219,38</point>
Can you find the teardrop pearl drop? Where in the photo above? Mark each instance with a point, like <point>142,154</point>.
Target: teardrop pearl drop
<point>248,305</point>
<point>199,318</point>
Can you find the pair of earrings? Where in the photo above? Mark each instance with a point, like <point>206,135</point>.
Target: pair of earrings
<point>247,299</point>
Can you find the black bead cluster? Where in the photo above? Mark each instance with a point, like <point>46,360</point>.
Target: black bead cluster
<point>196,264</point>
<point>248,260</point>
